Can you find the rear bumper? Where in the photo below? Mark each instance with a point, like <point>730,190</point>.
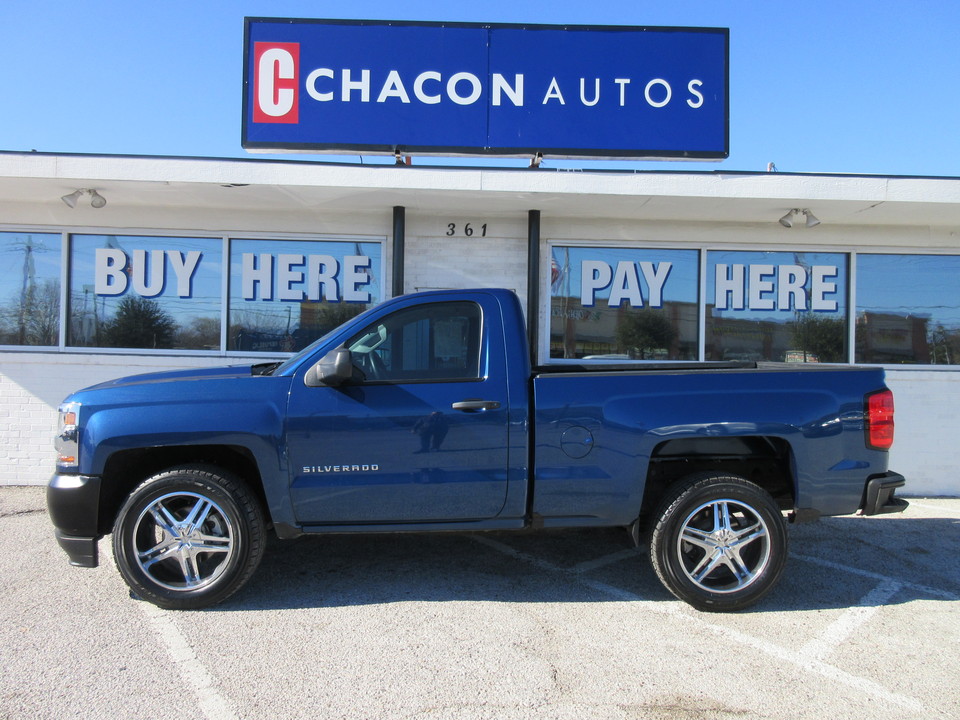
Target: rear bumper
<point>878,495</point>
<point>73,502</point>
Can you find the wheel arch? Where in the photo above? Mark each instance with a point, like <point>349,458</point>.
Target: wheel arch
<point>767,461</point>
<point>126,469</point>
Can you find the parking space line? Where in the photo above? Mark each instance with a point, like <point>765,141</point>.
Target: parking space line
<point>837,632</point>
<point>212,704</point>
<point>605,560</point>
<point>676,610</point>
<point>925,589</point>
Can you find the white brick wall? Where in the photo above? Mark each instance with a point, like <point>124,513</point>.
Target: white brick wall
<point>443,262</point>
<point>925,448</point>
<point>32,386</point>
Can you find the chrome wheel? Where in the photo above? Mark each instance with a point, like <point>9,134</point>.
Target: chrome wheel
<point>724,546</point>
<point>184,541</point>
<point>719,542</point>
<point>189,537</point>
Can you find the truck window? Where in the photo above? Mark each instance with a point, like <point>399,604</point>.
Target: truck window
<point>436,341</point>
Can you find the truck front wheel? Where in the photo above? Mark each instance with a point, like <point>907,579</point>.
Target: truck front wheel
<point>720,542</point>
<point>188,537</point>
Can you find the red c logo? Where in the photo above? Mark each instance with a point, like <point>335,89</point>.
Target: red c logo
<point>276,82</point>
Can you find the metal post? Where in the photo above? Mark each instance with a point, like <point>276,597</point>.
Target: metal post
<point>399,237</point>
<point>533,285</point>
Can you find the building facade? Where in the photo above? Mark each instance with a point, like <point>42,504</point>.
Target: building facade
<point>118,265</point>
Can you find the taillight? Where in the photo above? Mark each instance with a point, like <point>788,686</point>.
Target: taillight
<point>879,417</point>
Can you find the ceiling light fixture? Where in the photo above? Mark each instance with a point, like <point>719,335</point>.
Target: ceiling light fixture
<point>796,216</point>
<point>96,199</point>
<point>71,199</point>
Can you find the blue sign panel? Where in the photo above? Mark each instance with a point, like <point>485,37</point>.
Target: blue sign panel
<point>469,89</point>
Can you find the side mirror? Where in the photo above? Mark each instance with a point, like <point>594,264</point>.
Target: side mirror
<point>335,368</point>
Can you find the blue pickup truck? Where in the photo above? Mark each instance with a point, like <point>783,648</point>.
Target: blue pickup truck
<point>424,414</point>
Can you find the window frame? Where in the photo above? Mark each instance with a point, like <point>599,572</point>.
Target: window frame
<point>852,309</point>
<point>66,234</point>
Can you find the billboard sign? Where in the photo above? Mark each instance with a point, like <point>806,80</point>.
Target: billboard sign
<point>473,89</point>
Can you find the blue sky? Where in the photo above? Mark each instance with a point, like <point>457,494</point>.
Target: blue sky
<point>840,86</point>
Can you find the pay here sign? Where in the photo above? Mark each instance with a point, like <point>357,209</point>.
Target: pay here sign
<point>471,89</point>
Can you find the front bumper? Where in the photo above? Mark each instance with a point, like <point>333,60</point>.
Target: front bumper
<point>878,495</point>
<point>73,502</point>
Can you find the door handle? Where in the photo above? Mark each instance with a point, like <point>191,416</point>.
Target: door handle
<point>475,405</point>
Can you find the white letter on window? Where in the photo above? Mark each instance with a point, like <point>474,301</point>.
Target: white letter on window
<point>354,275</point>
<point>184,268</point>
<point>626,286</point>
<point>790,293</point>
<point>109,274</point>
<point>158,273</point>
<point>594,275</point>
<point>728,285</point>
<point>251,275</point>
<point>656,278</point>
<point>821,287</point>
<point>322,273</point>
<point>287,276</point>
<point>758,286</point>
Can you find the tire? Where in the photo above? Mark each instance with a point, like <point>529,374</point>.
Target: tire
<point>720,542</point>
<point>189,537</point>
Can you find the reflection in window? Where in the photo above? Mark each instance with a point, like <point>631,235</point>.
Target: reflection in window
<point>426,342</point>
<point>623,303</point>
<point>284,294</point>
<point>908,309</point>
<point>29,288</point>
<point>145,292</point>
<point>776,306</point>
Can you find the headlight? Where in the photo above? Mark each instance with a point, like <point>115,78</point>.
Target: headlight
<point>68,436</point>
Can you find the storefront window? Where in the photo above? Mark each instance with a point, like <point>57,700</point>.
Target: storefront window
<point>776,306</point>
<point>908,309</point>
<point>29,288</point>
<point>623,304</point>
<point>145,292</point>
<point>284,294</point>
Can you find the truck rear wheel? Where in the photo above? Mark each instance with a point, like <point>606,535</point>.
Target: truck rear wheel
<point>188,537</point>
<point>720,542</point>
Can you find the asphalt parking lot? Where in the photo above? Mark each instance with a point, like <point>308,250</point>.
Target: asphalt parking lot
<point>864,624</point>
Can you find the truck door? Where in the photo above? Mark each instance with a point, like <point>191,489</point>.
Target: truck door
<point>419,435</point>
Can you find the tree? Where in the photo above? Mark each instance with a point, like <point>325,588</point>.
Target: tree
<point>644,331</point>
<point>944,346</point>
<point>822,336</point>
<point>140,323</point>
<point>34,317</point>
<point>203,334</point>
